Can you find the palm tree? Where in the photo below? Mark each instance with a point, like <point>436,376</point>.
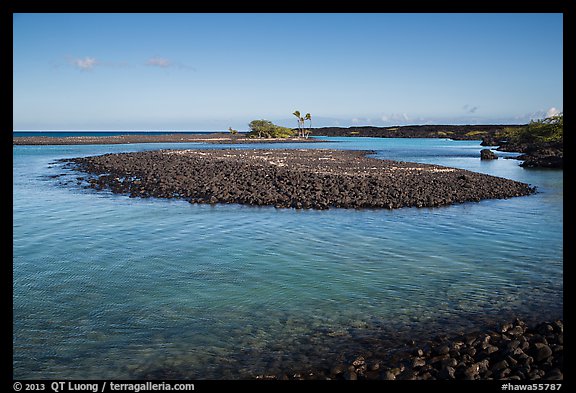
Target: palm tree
<point>309,118</point>
<point>300,122</point>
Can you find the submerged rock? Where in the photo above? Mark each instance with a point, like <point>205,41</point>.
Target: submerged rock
<point>499,357</point>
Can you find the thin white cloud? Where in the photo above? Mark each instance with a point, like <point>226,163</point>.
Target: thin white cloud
<point>88,63</point>
<point>85,64</point>
<point>163,62</point>
<point>158,62</point>
<point>361,120</point>
<point>552,112</point>
<point>538,115</point>
<point>395,117</point>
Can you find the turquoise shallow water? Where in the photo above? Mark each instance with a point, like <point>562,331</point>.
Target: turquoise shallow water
<point>106,286</point>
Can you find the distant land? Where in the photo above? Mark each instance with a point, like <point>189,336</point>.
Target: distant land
<point>457,132</point>
<point>541,149</point>
<point>535,154</point>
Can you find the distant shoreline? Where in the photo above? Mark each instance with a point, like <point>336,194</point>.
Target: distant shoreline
<point>535,155</point>
<point>455,132</point>
<point>216,138</point>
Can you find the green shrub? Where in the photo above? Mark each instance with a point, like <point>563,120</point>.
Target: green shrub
<point>550,129</point>
<point>266,129</point>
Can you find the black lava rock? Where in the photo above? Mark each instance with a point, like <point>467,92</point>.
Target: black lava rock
<point>301,179</point>
<point>487,154</point>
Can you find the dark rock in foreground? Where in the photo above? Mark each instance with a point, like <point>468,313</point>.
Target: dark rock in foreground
<point>514,351</point>
<point>317,179</point>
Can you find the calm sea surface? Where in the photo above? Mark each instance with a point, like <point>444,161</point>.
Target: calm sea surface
<point>60,134</point>
<point>107,286</point>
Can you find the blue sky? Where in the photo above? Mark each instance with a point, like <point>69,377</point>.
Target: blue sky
<point>214,71</point>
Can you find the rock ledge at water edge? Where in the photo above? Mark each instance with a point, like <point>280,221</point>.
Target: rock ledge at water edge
<point>303,178</point>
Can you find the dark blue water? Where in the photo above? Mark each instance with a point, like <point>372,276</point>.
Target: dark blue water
<point>61,134</point>
<point>107,286</point>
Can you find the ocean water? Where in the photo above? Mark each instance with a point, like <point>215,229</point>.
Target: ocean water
<point>61,134</point>
<point>111,287</point>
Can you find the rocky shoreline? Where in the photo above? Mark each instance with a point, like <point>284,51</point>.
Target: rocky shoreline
<point>303,178</point>
<point>536,155</point>
<point>512,351</point>
<point>216,138</point>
